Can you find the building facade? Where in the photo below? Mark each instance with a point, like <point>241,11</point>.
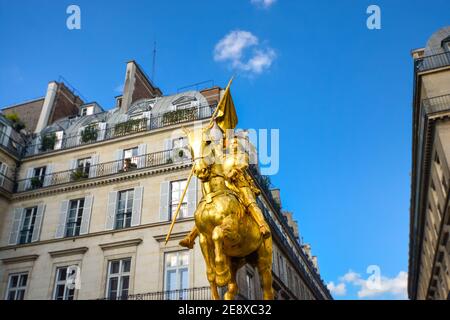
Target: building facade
<point>87,196</point>
<point>429,248</point>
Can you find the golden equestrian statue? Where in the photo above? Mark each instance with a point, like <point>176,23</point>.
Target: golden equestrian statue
<point>228,221</point>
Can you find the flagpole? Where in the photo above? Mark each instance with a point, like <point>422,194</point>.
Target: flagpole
<point>175,215</point>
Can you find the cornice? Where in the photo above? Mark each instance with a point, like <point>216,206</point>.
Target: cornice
<point>100,181</point>
<point>31,257</point>
<point>120,244</point>
<point>68,252</point>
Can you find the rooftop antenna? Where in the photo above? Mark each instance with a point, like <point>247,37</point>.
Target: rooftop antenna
<point>154,62</point>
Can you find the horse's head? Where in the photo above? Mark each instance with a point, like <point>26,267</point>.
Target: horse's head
<point>202,145</point>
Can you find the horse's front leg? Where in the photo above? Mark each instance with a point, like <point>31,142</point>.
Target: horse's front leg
<point>208,254</point>
<point>223,274</point>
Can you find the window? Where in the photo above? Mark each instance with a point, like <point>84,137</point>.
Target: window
<point>179,143</point>
<point>176,190</point>
<point>65,283</point>
<point>86,111</point>
<point>26,232</point>
<point>37,180</point>
<point>74,217</point>
<point>124,209</point>
<point>176,273</point>
<point>183,106</point>
<point>130,159</point>
<point>3,170</point>
<point>118,280</point>
<point>83,166</point>
<point>17,284</point>
<point>250,286</point>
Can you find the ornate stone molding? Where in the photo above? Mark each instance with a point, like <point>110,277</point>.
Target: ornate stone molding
<point>121,244</point>
<point>27,258</point>
<point>68,252</point>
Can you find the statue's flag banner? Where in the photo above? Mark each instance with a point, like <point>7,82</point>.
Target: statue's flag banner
<point>226,117</point>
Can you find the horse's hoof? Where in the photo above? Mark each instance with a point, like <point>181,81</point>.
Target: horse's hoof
<point>223,278</point>
<point>187,243</point>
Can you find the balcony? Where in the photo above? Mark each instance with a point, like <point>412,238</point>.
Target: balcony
<point>10,145</point>
<point>433,62</point>
<point>6,183</point>
<point>436,104</point>
<point>104,169</point>
<point>201,293</point>
<point>92,134</point>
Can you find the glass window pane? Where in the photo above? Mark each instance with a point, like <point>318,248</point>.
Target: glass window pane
<point>183,279</point>
<point>125,283</point>
<point>11,295</point>
<point>171,280</point>
<point>59,292</point>
<point>62,274</point>
<point>114,267</point>
<point>14,281</point>
<point>184,258</point>
<point>126,265</point>
<point>23,280</point>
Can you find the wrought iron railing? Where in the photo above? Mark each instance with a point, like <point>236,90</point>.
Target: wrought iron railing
<point>201,293</point>
<point>11,145</point>
<point>126,128</point>
<point>436,104</point>
<point>103,169</point>
<point>434,61</point>
<point>6,183</point>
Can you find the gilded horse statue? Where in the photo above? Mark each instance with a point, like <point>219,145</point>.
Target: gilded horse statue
<point>229,236</point>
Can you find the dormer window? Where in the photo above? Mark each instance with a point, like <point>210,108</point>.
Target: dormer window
<point>87,111</point>
<point>446,44</point>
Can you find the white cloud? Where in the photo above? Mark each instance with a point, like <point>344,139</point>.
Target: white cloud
<point>235,45</point>
<point>371,287</point>
<point>337,290</point>
<point>119,88</point>
<point>263,3</point>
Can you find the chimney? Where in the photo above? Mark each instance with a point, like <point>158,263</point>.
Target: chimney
<point>315,263</point>
<point>137,86</point>
<point>47,106</point>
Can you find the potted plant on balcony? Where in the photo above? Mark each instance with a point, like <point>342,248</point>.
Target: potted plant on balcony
<point>35,182</point>
<point>79,174</point>
<point>177,116</point>
<point>89,134</point>
<point>48,142</point>
<point>133,125</point>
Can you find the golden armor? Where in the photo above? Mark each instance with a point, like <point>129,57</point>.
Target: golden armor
<point>228,221</point>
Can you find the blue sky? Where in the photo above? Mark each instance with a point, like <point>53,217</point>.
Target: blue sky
<point>339,93</point>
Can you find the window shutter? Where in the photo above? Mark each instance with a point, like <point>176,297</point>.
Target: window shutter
<point>61,228</point>
<point>142,150</point>
<point>79,141</point>
<point>137,206</point>
<point>73,164</point>
<point>192,196</point>
<point>48,175</point>
<point>111,211</point>
<point>37,145</point>
<point>27,184</point>
<point>93,170</point>
<point>164,201</point>
<point>6,136</point>
<point>167,148</point>
<point>38,223</point>
<point>59,140</point>
<point>86,218</point>
<point>147,115</point>
<point>3,169</point>
<point>119,157</point>
<point>101,131</point>
<point>167,144</point>
<point>16,224</point>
